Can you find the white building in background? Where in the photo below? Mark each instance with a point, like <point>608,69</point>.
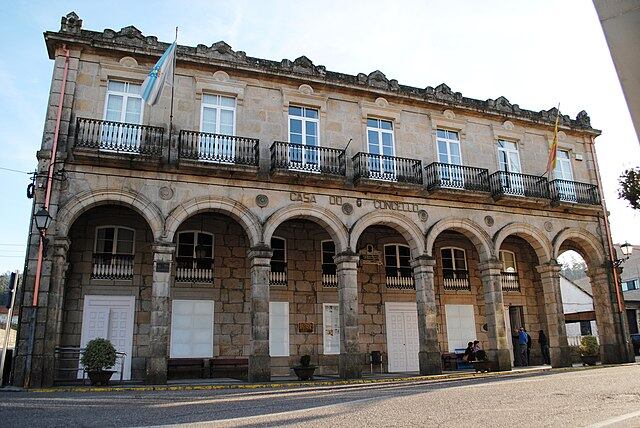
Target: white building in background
<point>577,302</point>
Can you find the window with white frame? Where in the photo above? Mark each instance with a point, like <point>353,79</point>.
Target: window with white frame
<point>114,240</point>
<point>454,263</point>
<point>397,260</point>
<point>448,147</point>
<point>278,274</point>
<point>508,156</point>
<point>195,250</point>
<point>279,329</point>
<point>630,285</point>
<point>381,146</point>
<point>563,166</point>
<point>508,260</point>
<point>218,125</point>
<point>304,136</point>
<point>123,102</point>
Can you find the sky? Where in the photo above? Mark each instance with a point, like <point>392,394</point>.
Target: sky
<point>536,54</point>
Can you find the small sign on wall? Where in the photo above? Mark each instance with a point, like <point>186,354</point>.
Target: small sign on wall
<point>305,327</point>
<point>164,267</point>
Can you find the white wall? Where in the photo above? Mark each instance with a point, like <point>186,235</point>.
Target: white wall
<point>574,299</point>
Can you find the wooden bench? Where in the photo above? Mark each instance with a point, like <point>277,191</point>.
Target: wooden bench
<point>235,368</point>
<point>186,368</point>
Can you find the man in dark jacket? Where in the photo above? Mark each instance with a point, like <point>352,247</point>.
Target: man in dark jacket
<point>544,347</point>
<point>528,348</point>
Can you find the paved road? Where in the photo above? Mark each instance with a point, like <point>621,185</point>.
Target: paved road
<point>605,396</point>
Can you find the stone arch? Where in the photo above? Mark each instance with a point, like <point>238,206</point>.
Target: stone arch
<point>240,213</point>
<point>588,245</point>
<point>408,229</point>
<point>534,236</point>
<point>71,210</point>
<point>476,234</point>
<point>325,218</point>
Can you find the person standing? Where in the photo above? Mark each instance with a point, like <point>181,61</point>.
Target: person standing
<point>528,347</point>
<point>544,347</point>
<point>522,341</point>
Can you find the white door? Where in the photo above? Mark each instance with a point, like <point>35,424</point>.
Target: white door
<point>461,326</point>
<point>110,317</point>
<point>382,151</point>
<point>566,187</point>
<point>402,336</point>
<point>509,160</point>
<point>279,329</point>
<point>507,324</point>
<point>450,156</point>
<point>191,329</point>
<point>331,328</point>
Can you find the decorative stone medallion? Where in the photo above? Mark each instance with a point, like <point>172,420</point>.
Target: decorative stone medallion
<point>347,208</point>
<point>449,114</point>
<point>423,215</point>
<point>548,226</point>
<point>262,200</point>
<point>305,89</point>
<point>488,220</point>
<point>165,193</point>
<point>382,102</point>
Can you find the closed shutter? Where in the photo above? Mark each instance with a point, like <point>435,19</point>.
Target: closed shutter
<point>191,329</point>
<point>279,329</point>
<point>461,326</point>
<point>331,329</point>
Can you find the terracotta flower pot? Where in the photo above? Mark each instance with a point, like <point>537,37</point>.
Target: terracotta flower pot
<point>100,377</point>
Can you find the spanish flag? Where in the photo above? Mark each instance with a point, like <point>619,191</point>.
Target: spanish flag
<point>553,150</point>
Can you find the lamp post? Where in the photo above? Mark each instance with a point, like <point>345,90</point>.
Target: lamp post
<point>626,250</point>
<point>43,221</point>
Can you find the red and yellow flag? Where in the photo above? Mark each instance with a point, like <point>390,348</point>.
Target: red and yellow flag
<point>553,150</point>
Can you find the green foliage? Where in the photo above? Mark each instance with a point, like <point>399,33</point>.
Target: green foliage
<point>630,187</point>
<point>98,355</point>
<point>589,346</point>
<point>481,355</point>
<point>305,361</point>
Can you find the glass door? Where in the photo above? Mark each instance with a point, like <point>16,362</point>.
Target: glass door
<point>449,155</point>
<point>566,187</point>
<point>381,164</point>
<point>218,127</point>
<point>304,139</point>
<point>123,106</point>
<point>509,162</point>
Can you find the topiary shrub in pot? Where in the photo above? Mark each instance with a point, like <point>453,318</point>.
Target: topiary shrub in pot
<point>99,355</point>
<point>589,350</point>
<point>305,370</point>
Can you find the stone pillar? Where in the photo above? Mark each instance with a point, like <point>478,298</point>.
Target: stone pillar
<point>429,357</point>
<point>498,350</point>
<point>612,328</point>
<point>160,299</point>
<point>260,360</point>
<point>350,364</point>
<point>554,313</point>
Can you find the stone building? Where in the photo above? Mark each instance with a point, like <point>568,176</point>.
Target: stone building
<point>294,210</point>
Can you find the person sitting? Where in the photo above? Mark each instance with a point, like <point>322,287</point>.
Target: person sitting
<point>476,346</point>
<point>469,353</point>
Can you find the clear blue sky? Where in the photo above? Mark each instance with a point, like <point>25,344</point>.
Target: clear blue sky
<point>535,53</point>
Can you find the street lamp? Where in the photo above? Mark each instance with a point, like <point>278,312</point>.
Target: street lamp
<point>626,249</point>
<point>43,220</point>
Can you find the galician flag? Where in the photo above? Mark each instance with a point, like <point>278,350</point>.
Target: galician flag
<point>553,150</point>
<point>157,78</point>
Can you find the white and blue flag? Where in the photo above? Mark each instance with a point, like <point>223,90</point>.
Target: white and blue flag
<point>157,78</point>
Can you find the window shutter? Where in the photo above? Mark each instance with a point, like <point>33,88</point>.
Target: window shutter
<point>331,329</point>
<point>279,329</point>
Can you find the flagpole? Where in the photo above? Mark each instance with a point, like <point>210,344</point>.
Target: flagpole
<point>173,81</point>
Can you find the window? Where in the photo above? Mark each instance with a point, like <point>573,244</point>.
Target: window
<point>381,147</point>
<point>508,156</point>
<point>303,136</point>
<point>448,147</point>
<point>331,328</point>
<point>278,274</point>
<point>454,263</point>
<point>563,166</point>
<point>630,285</point>
<point>191,329</point>
<point>508,259</point>
<point>585,328</point>
<point>114,240</point>
<point>195,250</point>
<point>397,260</point>
<point>279,329</point>
<point>328,252</point>
<point>123,103</point>
<point>218,115</point>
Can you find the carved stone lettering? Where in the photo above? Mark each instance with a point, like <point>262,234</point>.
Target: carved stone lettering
<point>302,197</point>
<point>396,206</point>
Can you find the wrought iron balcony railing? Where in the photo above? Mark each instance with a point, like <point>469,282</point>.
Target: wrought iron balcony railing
<point>574,192</point>
<point>456,279</point>
<point>400,282</point>
<point>194,270</point>
<point>387,168</point>
<point>119,137</point>
<point>510,281</point>
<point>299,157</point>
<point>515,184</point>
<point>229,149</point>
<point>112,266</point>
<point>447,176</point>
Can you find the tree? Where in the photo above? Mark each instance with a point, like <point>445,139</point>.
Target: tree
<point>630,187</point>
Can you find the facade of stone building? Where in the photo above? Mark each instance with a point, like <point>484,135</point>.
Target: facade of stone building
<point>293,210</point>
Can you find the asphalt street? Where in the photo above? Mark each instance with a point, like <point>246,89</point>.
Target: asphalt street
<point>597,397</point>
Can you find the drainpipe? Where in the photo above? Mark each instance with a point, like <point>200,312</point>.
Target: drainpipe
<point>47,200</point>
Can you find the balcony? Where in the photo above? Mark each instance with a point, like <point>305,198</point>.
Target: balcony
<point>574,192</point>
<point>290,157</point>
<point>216,149</point>
<point>510,281</point>
<point>400,282</point>
<point>367,166</point>
<point>514,184</point>
<point>457,177</point>
<point>119,138</point>
<point>456,280</point>
<point>194,270</point>
<point>112,266</point>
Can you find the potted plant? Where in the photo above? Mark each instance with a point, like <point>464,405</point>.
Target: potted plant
<point>482,363</point>
<point>99,355</point>
<point>305,370</point>
<point>589,350</point>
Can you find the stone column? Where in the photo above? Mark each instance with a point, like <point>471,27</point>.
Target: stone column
<point>160,299</point>
<point>260,360</point>
<point>554,313</point>
<point>498,350</point>
<point>429,357</point>
<point>614,342</point>
<point>350,364</point>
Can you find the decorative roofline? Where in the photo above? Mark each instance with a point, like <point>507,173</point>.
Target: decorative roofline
<point>130,39</point>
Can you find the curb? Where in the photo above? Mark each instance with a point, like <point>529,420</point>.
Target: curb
<point>317,384</point>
